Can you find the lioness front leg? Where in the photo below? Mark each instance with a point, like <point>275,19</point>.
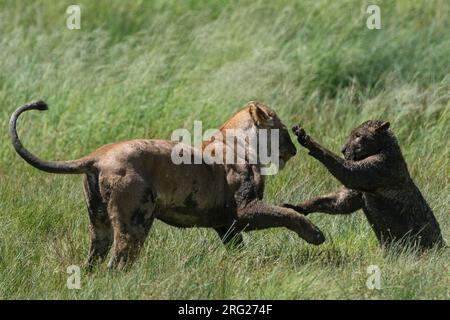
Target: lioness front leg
<point>344,201</point>
<point>259,215</point>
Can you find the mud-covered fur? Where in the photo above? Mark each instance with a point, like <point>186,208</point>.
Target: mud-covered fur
<point>130,183</point>
<point>376,180</point>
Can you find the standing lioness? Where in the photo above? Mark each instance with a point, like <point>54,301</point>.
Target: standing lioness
<point>128,184</point>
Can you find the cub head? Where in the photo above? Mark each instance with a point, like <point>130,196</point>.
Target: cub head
<point>265,118</point>
<point>366,140</point>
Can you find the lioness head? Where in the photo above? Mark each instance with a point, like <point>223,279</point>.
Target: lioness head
<point>366,140</point>
<point>256,116</point>
<point>265,118</point>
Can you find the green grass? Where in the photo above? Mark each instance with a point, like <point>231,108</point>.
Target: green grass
<point>145,68</point>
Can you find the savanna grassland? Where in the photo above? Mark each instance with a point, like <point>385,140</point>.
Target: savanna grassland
<point>144,68</point>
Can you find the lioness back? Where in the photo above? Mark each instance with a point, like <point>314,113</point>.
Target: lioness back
<point>174,188</point>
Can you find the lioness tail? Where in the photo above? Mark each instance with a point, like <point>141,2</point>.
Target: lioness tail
<point>73,166</point>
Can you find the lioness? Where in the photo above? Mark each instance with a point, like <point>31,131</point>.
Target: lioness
<point>376,179</point>
<point>130,183</point>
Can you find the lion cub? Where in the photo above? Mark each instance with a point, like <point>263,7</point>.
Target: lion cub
<point>376,180</point>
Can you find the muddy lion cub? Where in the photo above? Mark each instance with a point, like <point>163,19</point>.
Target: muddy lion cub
<point>130,183</point>
<point>376,179</point>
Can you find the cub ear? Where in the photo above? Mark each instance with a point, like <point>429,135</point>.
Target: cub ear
<point>383,127</point>
<point>259,115</point>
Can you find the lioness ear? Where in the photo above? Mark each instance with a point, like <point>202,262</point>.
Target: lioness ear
<point>259,115</point>
<point>383,127</point>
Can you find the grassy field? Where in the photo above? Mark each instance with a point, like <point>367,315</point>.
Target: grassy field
<point>145,68</point>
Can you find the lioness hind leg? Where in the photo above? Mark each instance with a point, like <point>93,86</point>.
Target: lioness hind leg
<point>100,228</point>
<point>231,236</point>
<point>129,237</point>
<point>132,215</point>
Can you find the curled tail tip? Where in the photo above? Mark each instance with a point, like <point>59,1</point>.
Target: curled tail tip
<point>37,105</point>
